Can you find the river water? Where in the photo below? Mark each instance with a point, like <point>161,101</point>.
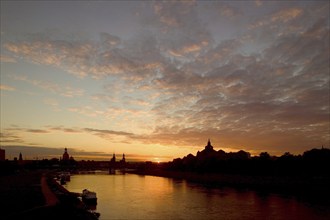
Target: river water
<point>133,196</point>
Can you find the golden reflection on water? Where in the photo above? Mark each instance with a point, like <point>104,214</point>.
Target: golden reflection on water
<point>146,197</point>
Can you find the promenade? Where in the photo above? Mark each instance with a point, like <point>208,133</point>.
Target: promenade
<point>29,195</point>
<point>50,197</point>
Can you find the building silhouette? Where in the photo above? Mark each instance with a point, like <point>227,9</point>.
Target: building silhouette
<point>66,156</point>
<point>123,161</point>
<point>2,155</point>
<point>20,159</point>
<point>113,164</point>
<point>209,147</point>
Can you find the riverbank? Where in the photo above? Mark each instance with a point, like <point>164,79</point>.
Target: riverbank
<point>20,192</point>
<point>29,195</point>
<point>311,188</point>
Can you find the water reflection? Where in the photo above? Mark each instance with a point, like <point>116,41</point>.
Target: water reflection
<point>147,197</point>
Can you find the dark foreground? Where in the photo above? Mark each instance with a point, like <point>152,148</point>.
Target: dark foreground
<point>22,198</point>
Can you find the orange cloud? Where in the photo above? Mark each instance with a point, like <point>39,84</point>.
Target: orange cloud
<point>6,88</point>
<point>286,15</point>
<point>7,59</point>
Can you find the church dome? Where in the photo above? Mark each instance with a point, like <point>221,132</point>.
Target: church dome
<point>65,154</point>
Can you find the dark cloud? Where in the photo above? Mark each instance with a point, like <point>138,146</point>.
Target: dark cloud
<point>109,41</point>
<point>13,135</point>
<point>103,133</point>
<point>10,137</point>
<point>63,129</point>
<point>40,131</point>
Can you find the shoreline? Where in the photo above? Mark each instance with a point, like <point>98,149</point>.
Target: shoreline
<point>36,195</point>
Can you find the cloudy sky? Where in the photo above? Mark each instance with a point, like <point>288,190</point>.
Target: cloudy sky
<point>157,79</point>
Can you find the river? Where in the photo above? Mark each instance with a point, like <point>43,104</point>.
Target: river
<point>133,196</point>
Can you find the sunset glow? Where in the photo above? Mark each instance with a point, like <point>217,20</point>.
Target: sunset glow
<point>155,80</point>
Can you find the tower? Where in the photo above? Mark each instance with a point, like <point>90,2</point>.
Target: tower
<point>112,164</point>
<point>113,159</point>
<point>65,155</point>
<point>209,147</point>
<point>2,154</point>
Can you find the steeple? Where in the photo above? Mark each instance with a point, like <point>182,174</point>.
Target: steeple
<point>113,159</point>
<point>209,146</point>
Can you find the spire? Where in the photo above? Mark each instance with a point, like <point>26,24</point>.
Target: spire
<point>113,159</point>
<point>209,146</point>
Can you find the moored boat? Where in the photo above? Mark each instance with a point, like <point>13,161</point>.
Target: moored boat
<point>63,177</point>
<point>88,197</point>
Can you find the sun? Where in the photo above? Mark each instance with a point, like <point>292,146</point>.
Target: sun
<point>157,160</point>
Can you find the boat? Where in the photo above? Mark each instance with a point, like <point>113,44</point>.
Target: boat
<point>64,177</point>
<point>89,197</point>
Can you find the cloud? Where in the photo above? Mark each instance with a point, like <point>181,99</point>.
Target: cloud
<point>38,131</point>
<point>258,3</point>
<point>63,129</point>
<point>7,59</point>
<point>267,86</point>
<point>66,91</point>
<point>173,13</point>
<point>6,88</point>
<point>57,53</point>
<point>15,134</point>
<point>109,41</point>
<point>111,57</point>
<point>276,98</point>
<point>105,133</point>
<point>9,137</point>
<point>53,103</point>
<point>87,111</point>
<point>90,58</point>
<point>286,15</point>
<point>279,17</point>
<point>228,11</point>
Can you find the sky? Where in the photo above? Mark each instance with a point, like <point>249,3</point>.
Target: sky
<point>155,80</point>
